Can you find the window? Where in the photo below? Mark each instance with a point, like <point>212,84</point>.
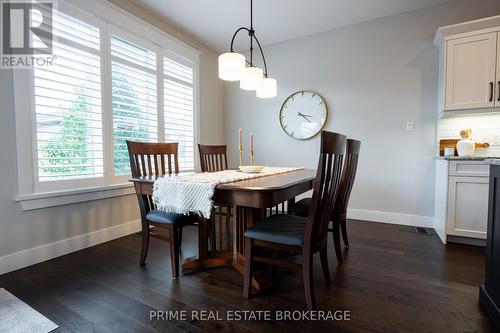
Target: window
<point>179,110</point>
<point>114,78</point>
<point>68,105</point>
<point>134,100</point>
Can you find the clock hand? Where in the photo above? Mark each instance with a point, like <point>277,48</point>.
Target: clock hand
<point>300,114</point>
<point>303,115</point>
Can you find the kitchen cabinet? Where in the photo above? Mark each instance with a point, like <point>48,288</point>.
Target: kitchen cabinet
<point>497,97</point>
<point>471,69</point>
<point>467,206</point>
<point>461,201</point>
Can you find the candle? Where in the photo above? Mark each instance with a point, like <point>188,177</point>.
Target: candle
<point>240,147</point>
<point>241,138</point>
<point>251,148</point>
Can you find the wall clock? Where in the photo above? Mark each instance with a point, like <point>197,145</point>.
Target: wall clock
<point>303,115</point>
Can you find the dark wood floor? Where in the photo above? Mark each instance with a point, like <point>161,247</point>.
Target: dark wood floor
<point>393,280</point>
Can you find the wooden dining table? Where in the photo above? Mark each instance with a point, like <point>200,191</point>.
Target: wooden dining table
<point>252,200</point>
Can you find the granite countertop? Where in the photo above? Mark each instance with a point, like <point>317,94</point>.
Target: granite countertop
<point>460,158</point>
<point>492,161</point>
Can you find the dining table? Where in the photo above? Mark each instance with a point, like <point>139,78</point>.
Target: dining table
<point>252,200</point>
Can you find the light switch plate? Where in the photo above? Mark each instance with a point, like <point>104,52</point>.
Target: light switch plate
<point>410,125</point>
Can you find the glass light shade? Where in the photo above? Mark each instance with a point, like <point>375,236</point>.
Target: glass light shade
<point>267,88</point>
<point>251,78</point>
<point>231,65</point>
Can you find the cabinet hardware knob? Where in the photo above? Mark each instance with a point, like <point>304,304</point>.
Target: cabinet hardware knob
<point>498,91</point>
<point>491,91</point>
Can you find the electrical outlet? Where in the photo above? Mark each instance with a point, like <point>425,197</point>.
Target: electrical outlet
<point>495,140</point>
<point>410,125</point>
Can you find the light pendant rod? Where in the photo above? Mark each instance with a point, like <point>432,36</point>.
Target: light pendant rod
<point>251,33</point>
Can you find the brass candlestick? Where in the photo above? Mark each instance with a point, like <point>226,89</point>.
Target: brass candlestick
<point>241,155</point>
<point>251,157</point>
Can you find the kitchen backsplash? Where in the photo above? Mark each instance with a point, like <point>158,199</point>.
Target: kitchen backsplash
<point>485,128</point>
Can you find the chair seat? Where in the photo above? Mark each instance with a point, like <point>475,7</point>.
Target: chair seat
<point>171,218</point>
<point>279,228</point>
<point>301,207</point>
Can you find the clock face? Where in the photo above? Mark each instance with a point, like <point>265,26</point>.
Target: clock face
<point>303,115</point>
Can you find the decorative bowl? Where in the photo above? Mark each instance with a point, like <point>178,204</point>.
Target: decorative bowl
<point>251,168</point>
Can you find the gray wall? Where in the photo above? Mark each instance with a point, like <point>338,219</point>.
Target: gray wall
<point>20,230</point>
<point>374,76</point>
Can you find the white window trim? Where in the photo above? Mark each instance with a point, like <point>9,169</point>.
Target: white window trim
<point>28,195</point>
<point>66,197</point>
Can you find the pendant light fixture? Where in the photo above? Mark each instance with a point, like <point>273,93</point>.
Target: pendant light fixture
<point>233,66</point>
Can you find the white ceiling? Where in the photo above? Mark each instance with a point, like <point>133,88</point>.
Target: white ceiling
<point>213,22</point>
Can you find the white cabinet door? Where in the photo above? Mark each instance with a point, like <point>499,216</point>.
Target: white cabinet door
<point>497,97</point>
<point>470,72</point>
<point>468,206</point>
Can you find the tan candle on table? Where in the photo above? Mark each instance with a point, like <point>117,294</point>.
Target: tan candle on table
<point>240,147</point>
<point>251,148</point>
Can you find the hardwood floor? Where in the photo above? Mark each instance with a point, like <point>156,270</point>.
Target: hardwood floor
<point>392,280</point>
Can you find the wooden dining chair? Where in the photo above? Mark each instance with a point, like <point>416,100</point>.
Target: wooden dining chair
<point>347,181</point>
<point>296,234</point>
<point>339,214</point>
<point>156,160</point>
<point>213,158</point>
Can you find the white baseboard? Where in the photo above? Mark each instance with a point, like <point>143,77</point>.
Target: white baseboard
<point>392,218</point>
<point>14,261</point>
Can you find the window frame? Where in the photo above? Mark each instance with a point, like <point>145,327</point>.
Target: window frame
<point>110,19</point>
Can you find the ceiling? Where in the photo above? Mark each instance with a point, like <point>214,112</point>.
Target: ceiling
<point>213,22</point>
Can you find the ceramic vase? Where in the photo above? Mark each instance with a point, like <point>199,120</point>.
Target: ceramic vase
<point>466,146</point>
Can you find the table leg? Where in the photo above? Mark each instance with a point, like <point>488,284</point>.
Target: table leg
<point>290,203</point>
<point>203,231</point>
<point>245,217</point>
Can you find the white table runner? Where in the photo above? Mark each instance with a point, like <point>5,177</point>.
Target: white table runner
<point>193,192</point>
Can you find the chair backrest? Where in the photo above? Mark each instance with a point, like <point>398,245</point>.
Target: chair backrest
<point>326,187</point>
<point>153,159</point>
<point>213,158</point>
<point>348,175</point>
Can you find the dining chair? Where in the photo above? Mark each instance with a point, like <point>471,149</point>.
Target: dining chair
<point>213,158</point>
<point>339,214</point>
<point>156,160</point>
<point>300,235</point>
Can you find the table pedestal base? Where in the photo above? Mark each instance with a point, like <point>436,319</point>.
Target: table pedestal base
<point>217,259</point>
<point>244,218</point>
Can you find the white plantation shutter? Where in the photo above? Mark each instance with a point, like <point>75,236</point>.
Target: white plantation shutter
<point>179,109</point>
<point>134,85</point>
<point>68,104</point>
<point>111,80</point>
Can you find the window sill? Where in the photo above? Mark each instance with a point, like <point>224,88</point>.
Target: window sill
<point>60,198</point>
